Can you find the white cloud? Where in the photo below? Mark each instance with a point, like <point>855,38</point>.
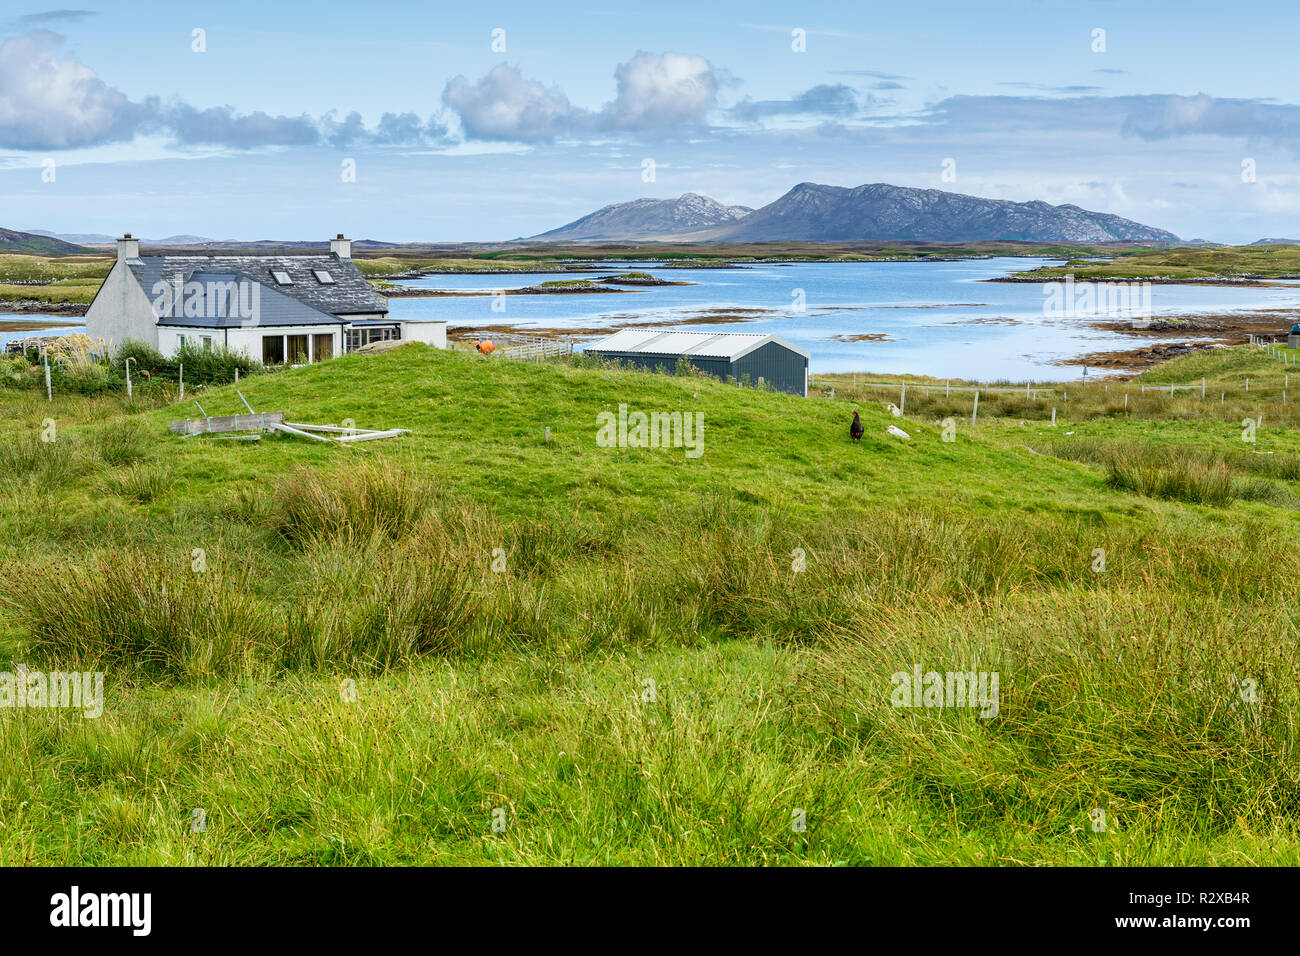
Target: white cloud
<point>505,106</point>
<point>52,103</point>
<point>659,91</point>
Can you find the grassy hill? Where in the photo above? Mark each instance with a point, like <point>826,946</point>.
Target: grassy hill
<point>27,243</point>
<point>470,644</point>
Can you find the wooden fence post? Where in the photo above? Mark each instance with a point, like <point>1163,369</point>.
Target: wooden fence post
<point>976,408</point>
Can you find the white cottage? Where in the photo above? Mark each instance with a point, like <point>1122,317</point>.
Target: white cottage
<point>274,308</point>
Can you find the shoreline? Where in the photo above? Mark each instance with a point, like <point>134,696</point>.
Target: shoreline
<point>1194,332</point>
<point>1250,282</point>
<point>37,307</point>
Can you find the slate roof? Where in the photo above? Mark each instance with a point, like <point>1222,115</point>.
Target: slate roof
<point>691,342</point>
<point>349,294</point>
<point>228,300</point>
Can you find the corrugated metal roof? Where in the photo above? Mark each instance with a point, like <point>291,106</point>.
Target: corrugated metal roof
<point>692,342</point>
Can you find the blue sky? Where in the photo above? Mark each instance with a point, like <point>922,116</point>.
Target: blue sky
<point>110,120</point>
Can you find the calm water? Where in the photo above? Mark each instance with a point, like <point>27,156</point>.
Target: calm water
<point>8,319</point>
<point>936,318</point>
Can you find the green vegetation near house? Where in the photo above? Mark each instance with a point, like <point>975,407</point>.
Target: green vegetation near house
<point>626,655</point>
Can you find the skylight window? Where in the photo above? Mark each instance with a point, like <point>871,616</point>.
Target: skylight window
<point>281,278</point>
<point>323,277</point>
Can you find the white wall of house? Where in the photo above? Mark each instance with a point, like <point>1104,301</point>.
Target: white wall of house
<point>169,338</point>
<point>431,333</point>
<point>249,340</point>
<point>122,311</point>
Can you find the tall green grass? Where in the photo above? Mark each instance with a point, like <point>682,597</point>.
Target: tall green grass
<point>638,658</point>
<point>1185,473</point>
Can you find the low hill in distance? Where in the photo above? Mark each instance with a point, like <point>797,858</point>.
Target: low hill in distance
<point>645,218</point>
<point>37,245</point>
<point>811,212</point>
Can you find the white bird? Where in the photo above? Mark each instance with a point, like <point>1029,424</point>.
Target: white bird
<point>895,430</point>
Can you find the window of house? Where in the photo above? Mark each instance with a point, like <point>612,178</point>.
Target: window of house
<point>297,354</point>
<point>207,343</point>
<point>272,349</point>
<point>322,345</point>
<point>281,277</point>
<point>181,340</point>
<point>323,277</point>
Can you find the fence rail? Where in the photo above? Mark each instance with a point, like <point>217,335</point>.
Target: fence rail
<point>535,348</point>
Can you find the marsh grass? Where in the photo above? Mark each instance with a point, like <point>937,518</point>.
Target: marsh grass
<point>138,613</point>
<point>525,689</point>
<point>121,442</point>
<point>1154,710</point>
<point>354,503</point>
<point>375,605</point>
<point>27,455</point>
<point>141,483</point>
<point>1184,473</point>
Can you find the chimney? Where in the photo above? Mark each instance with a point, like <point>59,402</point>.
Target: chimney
<point>341,247</point>
<point>128,248</point>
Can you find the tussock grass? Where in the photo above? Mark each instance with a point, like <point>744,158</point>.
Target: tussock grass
<point>138,613</point>
<point>27,455</point>
<point>141,483</point>
<point>1183,473</point>
<point>121,442</point>
<point>1182,710</point>
<point>1203,483</point>
<point>648,678</point>
<point>350,504</point>
<point>375,605</point>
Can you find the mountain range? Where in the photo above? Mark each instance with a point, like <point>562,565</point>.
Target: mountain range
<point>811,212</point>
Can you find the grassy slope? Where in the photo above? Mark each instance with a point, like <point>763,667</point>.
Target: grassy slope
<point>26,243</point>
<point>629,565</point>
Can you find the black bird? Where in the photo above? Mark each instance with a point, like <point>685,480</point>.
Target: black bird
<point>856,429</point>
